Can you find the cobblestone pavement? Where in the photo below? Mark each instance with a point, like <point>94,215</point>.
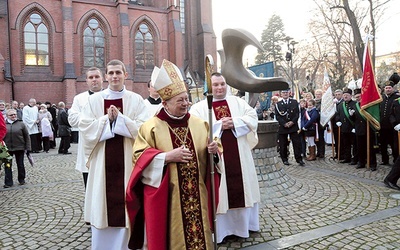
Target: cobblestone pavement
<point>327,206</point>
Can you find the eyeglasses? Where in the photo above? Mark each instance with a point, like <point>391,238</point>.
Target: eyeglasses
<point>12,114</point>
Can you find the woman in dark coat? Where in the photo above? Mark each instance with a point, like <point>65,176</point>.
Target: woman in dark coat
<point>309,124</point>
<point>17,140</point>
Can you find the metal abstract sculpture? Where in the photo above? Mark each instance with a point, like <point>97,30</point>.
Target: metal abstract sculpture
<point>234,42</point>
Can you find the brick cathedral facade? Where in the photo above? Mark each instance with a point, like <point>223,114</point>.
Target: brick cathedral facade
<point>46,46</point>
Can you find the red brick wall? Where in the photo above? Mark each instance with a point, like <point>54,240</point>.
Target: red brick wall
<point>41,91</point>
<point>66,45</point>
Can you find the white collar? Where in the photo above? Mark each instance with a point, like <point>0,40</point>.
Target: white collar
<point>174,117</point>
<point>10,121</point>
<point>109,94</point>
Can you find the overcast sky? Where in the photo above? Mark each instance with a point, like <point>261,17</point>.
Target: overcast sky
<point>253,15</point>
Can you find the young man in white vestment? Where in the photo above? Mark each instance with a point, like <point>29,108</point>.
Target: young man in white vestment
<point>235,122</point>
<point>109,124</point>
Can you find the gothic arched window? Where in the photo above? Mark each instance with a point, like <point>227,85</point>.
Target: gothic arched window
<point>36,41</point>
<point>93,45</point>
<point>144,48</point>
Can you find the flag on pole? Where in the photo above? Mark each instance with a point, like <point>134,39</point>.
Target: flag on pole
<point>328,108</point>
<point>370,94</point>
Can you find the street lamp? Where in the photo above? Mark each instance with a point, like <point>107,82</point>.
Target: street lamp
<point>289,55</point>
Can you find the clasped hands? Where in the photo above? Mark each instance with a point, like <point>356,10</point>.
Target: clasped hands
<point>227,123</point>
<point>183,154</point>
<point>288,124</point>
<point>112,113</point>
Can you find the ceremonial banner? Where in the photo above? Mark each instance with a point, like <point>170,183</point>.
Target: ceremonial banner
<point>370,94</point>
<point>328,108</point>
<point>264,70</point>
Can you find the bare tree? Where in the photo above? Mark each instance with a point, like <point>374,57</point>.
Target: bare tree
<point>374,11</point>
<point>331,46</point>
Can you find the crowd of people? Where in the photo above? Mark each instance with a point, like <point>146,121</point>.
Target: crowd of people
<point>299,124</point>
<point>35,127</point>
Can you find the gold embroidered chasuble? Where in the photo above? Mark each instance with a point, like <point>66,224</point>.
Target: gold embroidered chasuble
<point>188,221</point>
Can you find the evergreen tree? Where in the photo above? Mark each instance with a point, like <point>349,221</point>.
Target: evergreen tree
<point>271,39</point>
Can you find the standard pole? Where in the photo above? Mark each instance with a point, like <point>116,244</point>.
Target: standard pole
<point>338,150</point>
<point>332,140</point>
<point>208,71</point>
<point>368,145</point>
<point>211,159</point>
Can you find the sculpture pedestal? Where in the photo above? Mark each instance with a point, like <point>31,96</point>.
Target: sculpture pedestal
<point>274,182</point>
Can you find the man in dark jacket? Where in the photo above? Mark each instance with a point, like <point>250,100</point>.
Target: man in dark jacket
<point>394,174</point>
<point>345,120</point>
<point>386,134</point>
<point>287,115</point>
<point>337,100</point>
<point>64,129</point>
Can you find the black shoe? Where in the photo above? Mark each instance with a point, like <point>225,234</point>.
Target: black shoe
<point>67,153</point>
<point>301,163</point>
<point>6,186</point>
<point>22,183</point>
<point>360,166</point>
<point>391,185</point>
<point>373,169</point>
<point>353,163</point>
<point>286,163</point>
<point>345,161</point>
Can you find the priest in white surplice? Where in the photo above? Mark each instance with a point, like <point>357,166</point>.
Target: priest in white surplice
<point>94,80</point>
<point>109,124</point>
<point>30,116</point>
<point>235,122</point>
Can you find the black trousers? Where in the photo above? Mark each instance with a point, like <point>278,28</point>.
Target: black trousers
<point>74,136</point>
<point>65,144</point>
<point>19,158</point>
<point>394,174</point>
<point>303,144</point>
<point>36,144</point>
<point>363,151</point>
<point>284,143</point>
<point>350,152</point>
<point>85,177</point>
<point>46,143</point>
<point>321,142</point>
<point>386,137</point>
